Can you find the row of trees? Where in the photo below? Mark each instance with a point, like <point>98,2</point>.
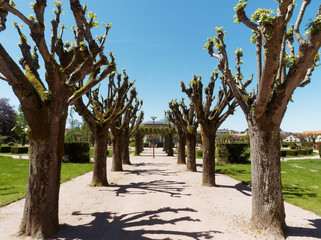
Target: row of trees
<point>280,70</point>
<point>71,70</point>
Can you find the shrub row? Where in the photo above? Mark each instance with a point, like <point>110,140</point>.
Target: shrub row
<point>232,152</point>
<point>76,152</point>
<point>15,150</point>
<point>296,152</point>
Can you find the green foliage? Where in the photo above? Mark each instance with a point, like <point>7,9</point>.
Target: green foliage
<point>314,26</point>
<point>146,144</point>
<point>233,152</point>
<point>240,5</point>
<point>199,153</point>
<point>76,152</point>
<point>263,16</point>
<point>18,150</point>
<point>11,144</point>
<point>5,149</point>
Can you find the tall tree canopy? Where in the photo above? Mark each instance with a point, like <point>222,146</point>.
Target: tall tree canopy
<point>71,69</point>
<point>8,117</point>
<point>281,68</point>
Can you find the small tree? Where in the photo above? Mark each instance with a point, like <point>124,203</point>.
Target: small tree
<point>119,129</point>
<point>312,137</point>
<point>188,122</point>
<point>132,125</point>
<point>99,114</point>
<point>8,117</point>
<point>181,137</point>
<point>45,99</point>
<point>210,118</point>
<point>280,70</point>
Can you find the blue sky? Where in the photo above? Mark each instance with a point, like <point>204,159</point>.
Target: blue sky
<point>161,43</point>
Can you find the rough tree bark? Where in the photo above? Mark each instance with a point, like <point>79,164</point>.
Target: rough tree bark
<point>99,177</point>
<point>278,75</point>
<point>116,140</point>
<point>45,103</point>
<point>181,143</point>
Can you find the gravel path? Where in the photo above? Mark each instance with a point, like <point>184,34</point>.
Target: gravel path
<point>157,199</point>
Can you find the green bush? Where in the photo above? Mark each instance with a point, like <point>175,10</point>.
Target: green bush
<point>160,144</point>
<point>305,151</point>
<point>233,152</point>
<point>4,149</point>
<point>18,150</point>
<point>10,144</point>
<point>283,153</point>
<point>132,144</point>
<point>291,152</point>
<point>307,144</point>
<point>285,145</point>
<point>76,152</point>
<point>146,144</point>
<point>199,153</point>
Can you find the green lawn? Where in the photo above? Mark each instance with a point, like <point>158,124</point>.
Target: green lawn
<point>300,180</point>
<point>14,177</point>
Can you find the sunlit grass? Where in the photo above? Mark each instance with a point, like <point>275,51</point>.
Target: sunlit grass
<point>300,180</point>
<point>14,177</point>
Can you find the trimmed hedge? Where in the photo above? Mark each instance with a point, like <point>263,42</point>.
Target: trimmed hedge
<point>296,152</point>
<point>18,150</point>
<point>76,152</point>
<point>5,149</point>
<point>307,144</point>
<point>233,152</point>
<point>146,144</point>
<point>199,153</point>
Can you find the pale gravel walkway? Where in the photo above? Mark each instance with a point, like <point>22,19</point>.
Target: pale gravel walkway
<point>157,199</point>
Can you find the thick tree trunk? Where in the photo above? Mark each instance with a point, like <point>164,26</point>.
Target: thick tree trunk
<point>117,164</point>
<point>169,145</point>
<point>208,146</point>
<point>191,145</point>
<point>138,144</point>
<point>40,216</point>
<point>100,156</point>
<point>267,199</point>
<point>181,159</point>
<point>125,148</point>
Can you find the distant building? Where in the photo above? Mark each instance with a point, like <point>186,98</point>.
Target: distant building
<point>291,138</point>
<point>222,131</point>
<point>157,138</point>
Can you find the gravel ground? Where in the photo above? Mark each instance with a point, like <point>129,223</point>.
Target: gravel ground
<point>158,199</point>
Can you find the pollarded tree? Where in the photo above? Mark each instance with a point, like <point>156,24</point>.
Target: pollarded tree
<point>99,114</point>
<point>118,130</point>
<point>187,119</point>
<point>45,99</point>
<point>132,125</point>
<point>181,138</point>
<point>210,118</point>
<point>280,70</point>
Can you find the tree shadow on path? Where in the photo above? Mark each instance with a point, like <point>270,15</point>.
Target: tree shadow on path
<point>173,188</point>
<point>241,187</point>
<point>135,225</point>
<point>306,232</point>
